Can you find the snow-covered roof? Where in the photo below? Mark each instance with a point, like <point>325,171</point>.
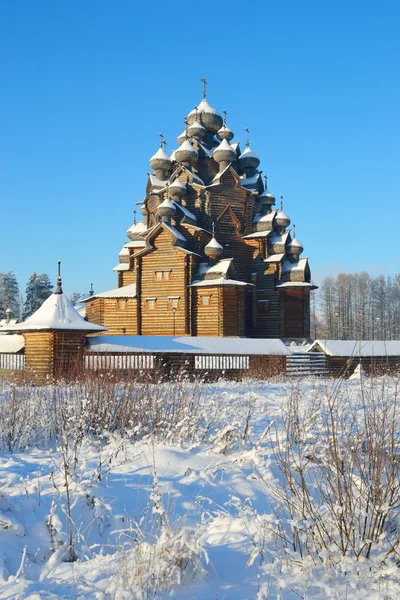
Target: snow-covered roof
<point>122,267</point>
<point>247,152</point>
<point>257,234</point>
<point>135,244</point>
<point>11,343</point>
<point>191,345</point>
<point>5,323</point>
<point>274,258</point>
<point>185,211</point>
<point>299,266</point>
<point>219,281</point>
<point>160,154</point>
<point>56,312</point>
<point>126,291</point>
<point>204,106</point>
<point>249,182</point>
<point>357,348</point>
<point>136,229</point>
<point>221,267</point>
<point>300,284</point>
<point>174,232</point>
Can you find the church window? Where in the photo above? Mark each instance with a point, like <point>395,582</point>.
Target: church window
<point>205,300</point>
<point>151,303</point>
<point>163,275</point>
<point>173,302</point>
<point>121,304</point>
<point>263,306</point>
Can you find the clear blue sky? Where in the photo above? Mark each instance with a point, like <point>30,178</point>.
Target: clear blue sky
<point>86,86</point>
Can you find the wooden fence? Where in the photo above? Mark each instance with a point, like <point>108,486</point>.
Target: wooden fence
<point>12,362</point>
<point>306,364</point>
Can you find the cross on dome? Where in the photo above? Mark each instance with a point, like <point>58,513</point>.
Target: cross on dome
<point>247,137</point>
<point>161,139</point>
<point>205,83</point>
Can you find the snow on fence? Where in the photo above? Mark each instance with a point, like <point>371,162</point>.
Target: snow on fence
<point>119,361</point>
<point>221,362</point>
<point>306,363</point>
<point>12,362</point>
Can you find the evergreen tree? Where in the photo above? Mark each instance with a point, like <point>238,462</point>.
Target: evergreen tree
<point>38,288</point>
<point>9,295</point>
<point>75,298</point>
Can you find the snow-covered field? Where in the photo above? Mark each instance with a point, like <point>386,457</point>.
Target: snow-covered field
<point>280,489</point>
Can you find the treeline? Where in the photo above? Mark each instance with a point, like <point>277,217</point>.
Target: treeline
<point>38,288</point>
<point>357,306</point>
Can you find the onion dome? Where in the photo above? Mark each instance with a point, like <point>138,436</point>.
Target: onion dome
<point>294,247</point>
<point>248,159</point>
<point>224,152</point>
<point>124,255</point>
<point>225,133</point>
<point>211,119</point>
<point>177,189</point>
<point>166,209</point>
<point>182,137</point>
<point>160,161</point>
<point>197,130</point>
<point>282,219</point>
<point>266,198</point>
<point>213,249</point>
<point>186,153</point>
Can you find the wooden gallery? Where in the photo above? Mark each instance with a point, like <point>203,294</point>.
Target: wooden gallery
<point>212,258</point>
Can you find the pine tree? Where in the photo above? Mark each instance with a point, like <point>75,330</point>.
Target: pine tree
<point>75,298</point>
<point>38,288</point>
<point>9,295</point>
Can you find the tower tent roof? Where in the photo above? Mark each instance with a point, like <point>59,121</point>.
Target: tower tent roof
<point>58,313</point>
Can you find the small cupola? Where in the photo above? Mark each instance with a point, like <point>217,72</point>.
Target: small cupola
<point>248,160</point>
<point>160,162</point>
<point>266,199</point>
<point>196,129</point>
<point>224,154</point>
<point>281,219</point>
<point>166,209</point>
<point>294,247</point>
<point>213,249</point>
<point>186,154</point>
<point>177,190</point>
<point>225,133</point>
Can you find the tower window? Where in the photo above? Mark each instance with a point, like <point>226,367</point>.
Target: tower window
<point>163,275</point>
<point>173,302</point>
<point>151,303</point>
<point>205,300</point>
<point>263,306</point>
<point>121,304</point>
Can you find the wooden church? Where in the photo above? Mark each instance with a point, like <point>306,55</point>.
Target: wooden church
<point>214,256</point>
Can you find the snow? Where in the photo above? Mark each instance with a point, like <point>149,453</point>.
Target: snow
<point>187,146</point>
<point>248,153</point>
<point>126,291</point>
<point>274,258</point>
<point>222,266</point>
<point>358,348</point>
<point>185,211</point>
<point>136,244</point>
<point>160,154</point>
<point>301,284</point>
<point>11,343</point>
<point>56,312</point>
<point>297,266</point>
<point>191,345</point>
<point>122,267</point>
<point>219,281</point>
<point>257,234</point>
<point>213,243</point>
<point>174,232</point>
<point>137,229</point>
<point>193,511</point>
<point>204,106</point>
<point>6,323</point>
